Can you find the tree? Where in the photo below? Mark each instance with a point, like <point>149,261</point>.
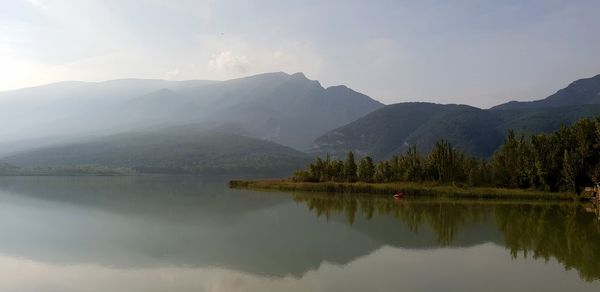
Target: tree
<point>366,169</point>
<point>412,164</point>
<point>337,170</point>
<point>397,173</point>
<point>512,165</point>
<point>350,168</point>
<point>383,172</point>
<point>567,160</point>
<point>595,174</point>
<point>446,164</point>
<point>569,172</point>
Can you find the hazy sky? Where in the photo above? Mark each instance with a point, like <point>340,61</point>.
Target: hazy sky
<point>474,52</point>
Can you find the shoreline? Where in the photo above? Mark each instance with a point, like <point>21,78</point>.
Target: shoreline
<point>410,189</point>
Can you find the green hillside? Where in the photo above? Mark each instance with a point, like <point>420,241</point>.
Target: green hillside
<point>176,150</point>
<point>392,129</point>
<point>478,132</point>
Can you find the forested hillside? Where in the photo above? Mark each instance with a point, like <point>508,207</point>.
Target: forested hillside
<point>392,129</point>
<point>178,150</point>
<point>566,160</point>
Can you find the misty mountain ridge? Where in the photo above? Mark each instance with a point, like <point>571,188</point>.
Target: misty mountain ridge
<point>582,91</point>
<point>289,109</point>
<point>189,149</point>
<point>249,124</point>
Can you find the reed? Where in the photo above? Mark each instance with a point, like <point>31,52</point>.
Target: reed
<point>411,189</point>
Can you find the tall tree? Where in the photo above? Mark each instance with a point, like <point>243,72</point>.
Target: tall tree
<point>366,169</point>
<point>445,163</point>
<point>412,163</point>
<point>511,163</point>
<point>350,168</point>
<point>569,172</point>
<point>383,172</point>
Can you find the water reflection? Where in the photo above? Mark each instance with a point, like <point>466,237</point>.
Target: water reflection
<point>155,221</point>
<point>197,231</point>
<point>568,232</point>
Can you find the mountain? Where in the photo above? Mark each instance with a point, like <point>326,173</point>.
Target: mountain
<point>68,112</point>
<point>390,130</point>
<point>580,92</point>
<point>189,149</point>
<point>288,109</point>
<point>393,128</point>
<point>35,107</point>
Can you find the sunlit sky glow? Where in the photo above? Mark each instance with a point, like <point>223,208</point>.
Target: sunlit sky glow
<point>474,52</point>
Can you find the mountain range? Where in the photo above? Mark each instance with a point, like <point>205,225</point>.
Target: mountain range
<point>264,122</point>
<point>287,109</point>
<point>390,130</point>
<point>581,92</point>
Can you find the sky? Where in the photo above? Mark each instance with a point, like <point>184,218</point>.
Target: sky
<point>479,53</point>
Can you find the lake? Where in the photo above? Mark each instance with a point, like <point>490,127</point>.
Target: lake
<point>195,234</point>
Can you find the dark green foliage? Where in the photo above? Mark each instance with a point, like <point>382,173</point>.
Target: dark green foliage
<point>350,168</point>
<point>366,170</point>
<point>569,172</point>
<point>566,160</point>
<point>446,164</point>
<point>511,165</point>
<point>384,172</point>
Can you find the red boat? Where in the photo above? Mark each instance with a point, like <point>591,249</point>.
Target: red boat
<point>399,195</point>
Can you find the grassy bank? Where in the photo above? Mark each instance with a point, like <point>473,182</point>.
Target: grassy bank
<point>410,189</point>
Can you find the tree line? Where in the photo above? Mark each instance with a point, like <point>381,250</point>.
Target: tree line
<point>565,160</point>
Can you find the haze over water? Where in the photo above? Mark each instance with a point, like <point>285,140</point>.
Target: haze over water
<point>195,234</point>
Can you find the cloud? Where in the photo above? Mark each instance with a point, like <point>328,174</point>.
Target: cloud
<point>40,4</point>
<point>227,61</point>
<point>173,74</point>
<point>397,52</point>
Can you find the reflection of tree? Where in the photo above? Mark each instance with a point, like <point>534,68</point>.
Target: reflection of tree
<point>565,232</point>
<point>444,220</point>
<point>543,230</point>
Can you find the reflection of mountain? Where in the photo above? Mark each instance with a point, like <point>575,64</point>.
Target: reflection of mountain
<point>154,221</point>
<point>131,222</point>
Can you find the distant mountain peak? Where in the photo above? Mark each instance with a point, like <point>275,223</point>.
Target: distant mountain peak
<point>579,92</point>
<point>299,75</point>
<point>338,87</point>
<point>276,77</point>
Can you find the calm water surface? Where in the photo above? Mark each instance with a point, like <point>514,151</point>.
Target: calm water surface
<point>194,234</point>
